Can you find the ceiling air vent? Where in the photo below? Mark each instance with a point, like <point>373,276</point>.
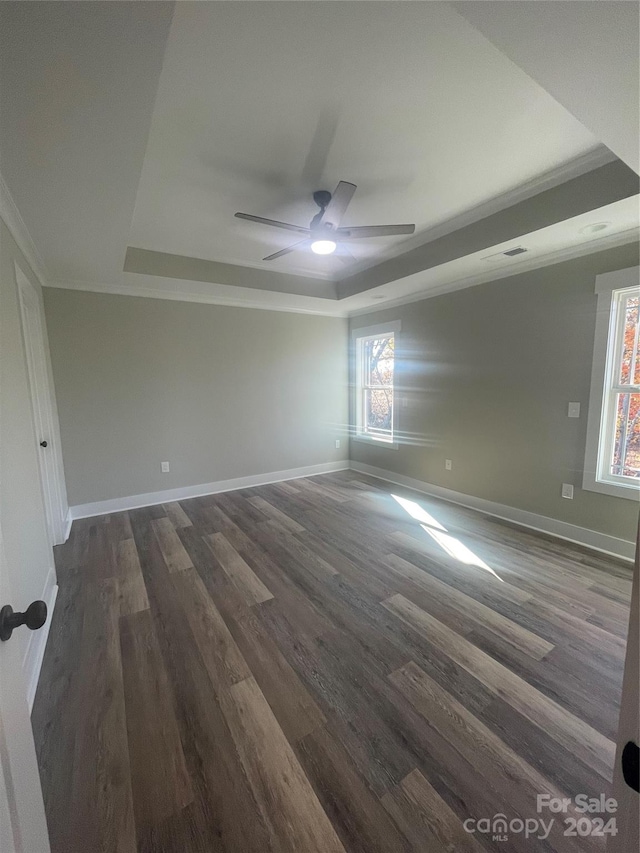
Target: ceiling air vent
<point>509,253</point>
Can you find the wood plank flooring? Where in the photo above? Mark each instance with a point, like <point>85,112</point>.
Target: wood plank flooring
<point>327,665</point>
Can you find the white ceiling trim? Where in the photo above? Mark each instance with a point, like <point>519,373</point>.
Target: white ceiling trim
<point>567,254</point>
<point>256,265</point>
<point>185,291</point>
<point>20,233</point>
<point>555,177</point>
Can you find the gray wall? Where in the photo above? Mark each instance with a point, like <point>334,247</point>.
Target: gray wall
<point>488,373</point>
<point>24,531</point>
<point>218,392</point>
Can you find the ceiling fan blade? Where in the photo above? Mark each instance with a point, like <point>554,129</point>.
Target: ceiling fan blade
<point>339,202</point>
<point>374,231</point>
<point>321,143</point>
<point>294,248</point>
<point>274,222</point>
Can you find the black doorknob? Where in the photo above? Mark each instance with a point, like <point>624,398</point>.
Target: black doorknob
<point>631,765</point>
<point>34,617</point>
<point>43,444</point>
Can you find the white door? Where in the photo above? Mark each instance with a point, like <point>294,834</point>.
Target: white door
<point>41,403</point>
<point>23,826</point>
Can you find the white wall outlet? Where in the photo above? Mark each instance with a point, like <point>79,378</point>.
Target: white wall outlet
<point>574,410</point>
<point>448,464</point>
<point>165,467</point>
<point>567,491</point>
<point>337,443</point>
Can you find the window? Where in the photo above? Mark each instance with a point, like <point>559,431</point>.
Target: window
<point>613,443</point>
<point>623,458</point>
<point>375,368</point>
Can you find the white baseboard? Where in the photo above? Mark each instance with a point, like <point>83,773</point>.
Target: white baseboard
<point>186,492</point>
<point>602,542</point>
<point>34,654</point>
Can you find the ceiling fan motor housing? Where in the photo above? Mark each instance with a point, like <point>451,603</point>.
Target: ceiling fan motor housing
<point>322,198</point>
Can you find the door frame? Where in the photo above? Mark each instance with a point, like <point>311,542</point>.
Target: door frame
<point>43,408</point>
<point>628,800</point>
<point>23,825</point>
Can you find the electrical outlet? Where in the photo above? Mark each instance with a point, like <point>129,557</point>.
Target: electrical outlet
<point>165,467</point>
<point>574,410</point>
<point>448,464</point>
<point>337,443</point>
<point>567,491</point>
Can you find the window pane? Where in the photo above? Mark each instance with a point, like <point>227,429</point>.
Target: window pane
<point>630,367</point>
<point>378,412</point>
<point>626,443</point>
<point>378,356</point>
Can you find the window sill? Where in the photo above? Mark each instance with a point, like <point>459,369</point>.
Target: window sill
<point>618,490</point>
<point>376,442</point>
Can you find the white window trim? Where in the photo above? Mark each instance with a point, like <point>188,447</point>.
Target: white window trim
<point>393,327</point>
<point>605,286</point>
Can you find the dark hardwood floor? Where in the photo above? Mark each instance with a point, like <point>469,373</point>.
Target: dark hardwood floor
<point>319,666</point>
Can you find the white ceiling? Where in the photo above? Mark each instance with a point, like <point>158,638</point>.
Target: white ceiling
<point>584,53</point>
<point>145,125</point>
<point>430,119</point>
<point>78,86</point>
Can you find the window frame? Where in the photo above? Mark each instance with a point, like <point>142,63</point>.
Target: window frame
<point>611,288</point>
<point>359,337</point>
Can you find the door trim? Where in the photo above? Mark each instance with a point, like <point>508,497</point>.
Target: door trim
<point>34,654</point>
<point>43,401</point>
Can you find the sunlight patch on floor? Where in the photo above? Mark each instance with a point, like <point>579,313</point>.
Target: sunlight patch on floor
<point>416,511</point>
<point>452,546</point>
<point>458,550</point>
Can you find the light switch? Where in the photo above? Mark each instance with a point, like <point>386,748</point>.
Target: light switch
<point>574,410</point>
<point>567,491</point>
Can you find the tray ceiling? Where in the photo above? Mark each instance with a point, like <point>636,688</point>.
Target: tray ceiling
<point>132,132</point>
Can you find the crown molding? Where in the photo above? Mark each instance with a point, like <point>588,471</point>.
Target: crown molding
<point>587,162</point>
<point>238,262</point>
<point>511,269</point>
<point>20,233</point>
<point>184,291</point>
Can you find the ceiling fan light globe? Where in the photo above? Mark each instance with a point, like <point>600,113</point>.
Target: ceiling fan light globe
<point>323,247</point>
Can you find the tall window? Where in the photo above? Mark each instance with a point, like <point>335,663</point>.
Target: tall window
<point>375,368</point>
<point>616,466</point>
<point>621,426</point>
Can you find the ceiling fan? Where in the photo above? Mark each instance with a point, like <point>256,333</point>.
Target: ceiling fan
<point>324,232</point>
